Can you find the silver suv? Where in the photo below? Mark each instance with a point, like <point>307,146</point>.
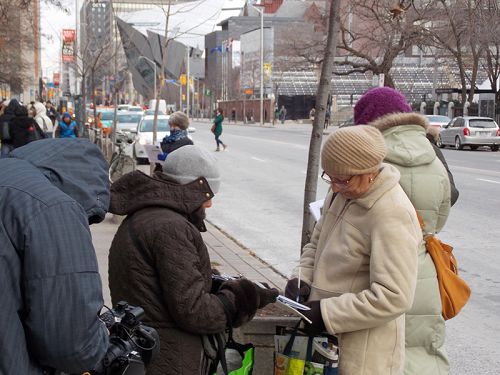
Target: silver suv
<point>470,131</point>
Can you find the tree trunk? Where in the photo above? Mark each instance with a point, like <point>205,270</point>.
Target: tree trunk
<point>84,106</point>
<point>319,120</point>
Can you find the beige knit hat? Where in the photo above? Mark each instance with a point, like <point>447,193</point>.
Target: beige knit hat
<point>353,150</point>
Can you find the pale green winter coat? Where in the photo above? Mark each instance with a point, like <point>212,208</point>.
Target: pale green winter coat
<point>425,181</point>
<point>362,264</point>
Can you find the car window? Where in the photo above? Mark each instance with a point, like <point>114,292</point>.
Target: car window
<point>459,123</point>
<point>147,125</point>
<point>129,118</point>
<point>483,124</point>
<point>136,109</point>
<point>107,116</point>
<point>441,119</point>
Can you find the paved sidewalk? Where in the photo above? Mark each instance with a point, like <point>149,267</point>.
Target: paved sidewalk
<point>226,255</point>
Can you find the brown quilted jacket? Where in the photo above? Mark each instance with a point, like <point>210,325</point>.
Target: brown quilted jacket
<point>166,268</point>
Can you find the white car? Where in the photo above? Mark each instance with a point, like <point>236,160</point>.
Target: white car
<point>145,135</point>
<point>135,108</point>
<point>128,121</point>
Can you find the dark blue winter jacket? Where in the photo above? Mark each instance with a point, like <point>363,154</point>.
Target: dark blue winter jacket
<point>50,285</point>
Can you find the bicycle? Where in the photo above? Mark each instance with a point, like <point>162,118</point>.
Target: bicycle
<point>122,162</point>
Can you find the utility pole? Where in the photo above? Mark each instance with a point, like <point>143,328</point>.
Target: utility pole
<point>259,8</point>
<point>188,88</point>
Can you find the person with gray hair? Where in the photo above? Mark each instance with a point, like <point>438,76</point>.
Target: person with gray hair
<point>178,136</point>
<point>158,261</point>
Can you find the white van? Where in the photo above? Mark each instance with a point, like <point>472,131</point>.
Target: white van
<point>162,107</point>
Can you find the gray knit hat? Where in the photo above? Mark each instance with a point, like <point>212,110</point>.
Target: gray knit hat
<point>187,163</point>
<point>353,150</point>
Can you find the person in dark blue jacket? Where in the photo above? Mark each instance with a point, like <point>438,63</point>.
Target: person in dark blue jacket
<point>51,190</point>
<point>67,128</point>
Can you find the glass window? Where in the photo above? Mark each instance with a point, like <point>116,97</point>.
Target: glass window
<point>442,119</point>
<point>129,118</point>
<point>107,116</point>
<point>482,124</point>
<point>147,125</point>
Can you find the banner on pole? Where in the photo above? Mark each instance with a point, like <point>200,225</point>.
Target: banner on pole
<point>68,45</point>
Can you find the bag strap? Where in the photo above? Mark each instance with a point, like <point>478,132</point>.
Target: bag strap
<point>293,334</point>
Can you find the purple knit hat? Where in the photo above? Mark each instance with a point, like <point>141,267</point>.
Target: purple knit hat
<point>378,102</point>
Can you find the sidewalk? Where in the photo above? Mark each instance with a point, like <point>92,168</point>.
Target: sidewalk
<point>226,255</point>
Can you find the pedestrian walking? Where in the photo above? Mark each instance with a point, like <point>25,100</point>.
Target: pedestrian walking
<point>276,114</point>
<point>67,128</point>
<point>43,120</point>
<point>312,114</point>
<point>18,128</point>
<point>51,112</point>
<point>358,272</point>
<point>327,119</point>
<point>426,183</point>
<point>217,129</point>
<point>51,287</point>
<point>178,137</point>
<point>158,260</point>
<point>233,115</point>
<point>282,114</point>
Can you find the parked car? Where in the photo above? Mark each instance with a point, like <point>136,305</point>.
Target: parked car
<point>128,121</point>
<point>470,131</point>
<point>438,120</point>
<point>123,107</point>
<point>145,135</point>
<point>135,108</point>
<point>151,112</point>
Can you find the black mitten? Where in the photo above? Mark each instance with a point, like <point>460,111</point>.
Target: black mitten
<point>266,295</point>
<point>246,299</point>
<point>317,326</point>
<point>292,290</point>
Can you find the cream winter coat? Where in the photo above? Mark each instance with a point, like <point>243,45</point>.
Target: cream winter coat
<point>426,183</point>
<point>362,264</point>
<point>43,121</point>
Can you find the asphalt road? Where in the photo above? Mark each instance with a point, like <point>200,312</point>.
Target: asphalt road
<point>260,204</point>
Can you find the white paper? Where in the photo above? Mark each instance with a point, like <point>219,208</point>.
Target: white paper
<point>153,151</point>
<point>315,208</point>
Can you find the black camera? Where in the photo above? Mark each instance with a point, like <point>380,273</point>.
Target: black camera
<point>132,345</point>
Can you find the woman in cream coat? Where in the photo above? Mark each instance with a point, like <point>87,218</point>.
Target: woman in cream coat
<point>361,264</point>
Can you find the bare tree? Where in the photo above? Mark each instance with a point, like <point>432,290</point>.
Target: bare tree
<point>490,44</point>
<point>373,36</point>
<point>455,29</point>
<point>317,130</point>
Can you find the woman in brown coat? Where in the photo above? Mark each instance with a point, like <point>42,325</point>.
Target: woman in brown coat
<point>158,261</point>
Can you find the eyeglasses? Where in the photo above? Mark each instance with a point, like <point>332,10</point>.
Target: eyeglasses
<point>335,181</point>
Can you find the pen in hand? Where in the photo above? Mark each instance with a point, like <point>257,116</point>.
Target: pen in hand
<point>298,288</point>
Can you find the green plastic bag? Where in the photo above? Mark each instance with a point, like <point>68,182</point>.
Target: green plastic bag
<point>238,358</point>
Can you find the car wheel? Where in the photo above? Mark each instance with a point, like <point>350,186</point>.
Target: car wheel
<point>494,148</point>
<point>439,142</point>
<point>458,144</point>
<point>474,148</point>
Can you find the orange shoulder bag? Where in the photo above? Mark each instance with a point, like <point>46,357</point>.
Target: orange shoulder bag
<point>454,291</point>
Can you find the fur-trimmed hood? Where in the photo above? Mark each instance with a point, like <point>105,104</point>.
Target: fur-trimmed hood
<point>405,138</point>
<point>395,119</point>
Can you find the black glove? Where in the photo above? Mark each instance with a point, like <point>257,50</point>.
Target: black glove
<point>292,290</point>
<point>247,297</point>
<point>267,295</point>
<point>317,326</point>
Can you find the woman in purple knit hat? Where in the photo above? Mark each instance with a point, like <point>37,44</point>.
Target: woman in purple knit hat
<point>426,183</point>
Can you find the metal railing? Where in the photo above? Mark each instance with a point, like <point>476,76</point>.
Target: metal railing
<point>103,141</point>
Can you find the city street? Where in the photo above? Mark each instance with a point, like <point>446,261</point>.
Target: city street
<point>260,205</point>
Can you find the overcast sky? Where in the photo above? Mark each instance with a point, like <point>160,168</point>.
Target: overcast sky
<point>52,23</point>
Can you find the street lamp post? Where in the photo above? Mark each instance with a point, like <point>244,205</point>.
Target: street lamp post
<point>261,12</point>
<point>154,66</point>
